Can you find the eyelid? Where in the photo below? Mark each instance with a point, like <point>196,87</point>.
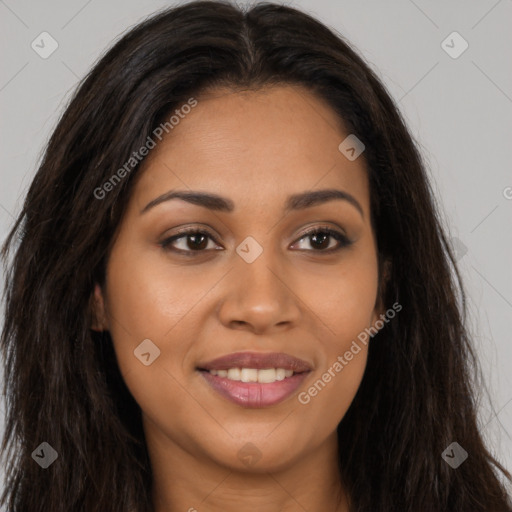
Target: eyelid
<point>312,228</point>
<point>183,232</point>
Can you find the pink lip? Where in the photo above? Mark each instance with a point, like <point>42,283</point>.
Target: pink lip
<point>255,394</point>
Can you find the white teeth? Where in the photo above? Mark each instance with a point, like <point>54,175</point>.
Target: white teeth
<point>264,376</point>
<point>248,375</point>
<point>234,374</point>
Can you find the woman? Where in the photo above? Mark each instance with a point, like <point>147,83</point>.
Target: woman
<point>230,288</point>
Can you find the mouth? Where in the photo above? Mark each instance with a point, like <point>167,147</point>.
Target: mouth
<point>255,380</point>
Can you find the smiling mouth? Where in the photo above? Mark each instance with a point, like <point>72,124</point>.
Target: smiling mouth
<point>253,379</point>
<point>253,393</point>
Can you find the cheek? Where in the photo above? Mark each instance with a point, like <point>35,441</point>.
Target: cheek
<point>323,403</point>
<point>337,382</point>
<point>345,302</point>
<point>142,304</point>
<point>148,298</point>
<point>146,302</point>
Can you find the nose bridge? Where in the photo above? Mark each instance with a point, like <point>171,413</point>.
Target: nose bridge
<point>256,271</point>
<point>258,277</point>
<point>258,295</point>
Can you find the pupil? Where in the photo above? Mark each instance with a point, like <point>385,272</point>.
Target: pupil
<point>195,244</point>
<point>322,236</point>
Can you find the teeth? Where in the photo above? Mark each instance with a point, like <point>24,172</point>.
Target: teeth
<point>234,374</point>
<point>280,374</point>
<point>248,375</point>
<point>264,376</point>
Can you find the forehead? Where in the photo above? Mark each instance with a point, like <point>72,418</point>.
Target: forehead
<point>254,145</point>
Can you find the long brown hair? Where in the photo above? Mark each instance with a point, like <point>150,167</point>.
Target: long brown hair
<point>62,381</point>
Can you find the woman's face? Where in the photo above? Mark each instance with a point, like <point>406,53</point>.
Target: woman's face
<point>259,290</point>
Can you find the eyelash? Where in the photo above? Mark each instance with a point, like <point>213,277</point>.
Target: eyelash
<point>342,240</point>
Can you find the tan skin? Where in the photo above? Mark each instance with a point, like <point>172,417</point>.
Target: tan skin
<point>255,149</point>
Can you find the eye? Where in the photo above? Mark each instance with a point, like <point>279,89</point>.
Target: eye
<point>320,237</point>
<point>194,240</point>
<point>191,240</point>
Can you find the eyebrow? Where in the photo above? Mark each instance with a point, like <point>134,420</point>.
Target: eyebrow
<point>294,202</point>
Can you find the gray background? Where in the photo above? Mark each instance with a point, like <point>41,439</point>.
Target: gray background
<point>458,109</point>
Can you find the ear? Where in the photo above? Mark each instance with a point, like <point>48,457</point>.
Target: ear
<point>99,320</point>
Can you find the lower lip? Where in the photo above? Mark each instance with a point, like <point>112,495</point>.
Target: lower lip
<point>254,394</point>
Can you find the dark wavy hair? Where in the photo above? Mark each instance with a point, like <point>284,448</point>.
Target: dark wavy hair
<point>62,382</point>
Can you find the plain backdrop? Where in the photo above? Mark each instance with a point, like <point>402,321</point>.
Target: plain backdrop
<point>458,107</point>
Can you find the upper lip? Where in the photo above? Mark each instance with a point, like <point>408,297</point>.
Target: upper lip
<point>258,361</point>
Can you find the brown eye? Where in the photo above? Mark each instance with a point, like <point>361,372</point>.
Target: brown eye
<point>190,241</point>
<point>321,240</point>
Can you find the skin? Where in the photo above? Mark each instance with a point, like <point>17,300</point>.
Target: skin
<point>254,148</point>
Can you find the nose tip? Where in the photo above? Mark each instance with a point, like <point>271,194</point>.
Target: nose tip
<point>257,299</point>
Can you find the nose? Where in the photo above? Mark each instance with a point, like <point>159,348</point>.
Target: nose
<point>259,297</point>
